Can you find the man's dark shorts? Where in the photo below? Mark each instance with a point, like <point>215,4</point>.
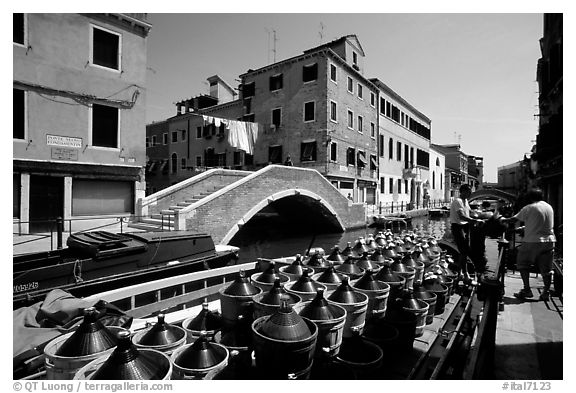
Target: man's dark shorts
<point>461,236</point>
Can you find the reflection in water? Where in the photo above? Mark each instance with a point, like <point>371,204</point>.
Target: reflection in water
<point>261,242</point>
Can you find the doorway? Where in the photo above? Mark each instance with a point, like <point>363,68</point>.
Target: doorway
<point>46,202</point>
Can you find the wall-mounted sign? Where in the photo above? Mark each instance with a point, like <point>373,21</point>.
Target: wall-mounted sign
<point>64,141</point>
<point>62,153</point>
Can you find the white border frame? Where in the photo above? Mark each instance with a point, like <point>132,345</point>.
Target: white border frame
<point>348,112</point>
<point>335,112</point>
<point>91,49</point>
<point>25,44</point>
<point>273,76</point>
<point>330,65</point>
<point>272,117</point>
<point>91,131</point>
<point>26,133</point>
<point>313,80</point>
<point>304,112</point>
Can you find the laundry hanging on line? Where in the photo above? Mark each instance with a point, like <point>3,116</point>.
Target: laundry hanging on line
<point>242,135</point>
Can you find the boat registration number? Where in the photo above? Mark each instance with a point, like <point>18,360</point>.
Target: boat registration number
<point>26,287</point>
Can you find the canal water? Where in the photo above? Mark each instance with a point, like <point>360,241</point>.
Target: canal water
<point>274,240</point>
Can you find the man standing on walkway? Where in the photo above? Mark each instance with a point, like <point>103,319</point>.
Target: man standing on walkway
<point>459,220</point>
<point>538,245</point>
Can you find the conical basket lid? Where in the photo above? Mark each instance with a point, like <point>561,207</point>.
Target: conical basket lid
<point>369,282</point>
<point>422,293</point>
<point>381,241</point>
<point>89,338</point>
<point>336,255</point>
<point>408,260</point>
<point>277,294</point>
<point>365,263</point>
<point>399,267</point>
<point>345,294</point>
<point>162,333</point>
<point>390,252</point>
<point>330,276</point>
<point>320,310</point>
<point>205,320</point>
<point>286,325</point>
<point>378,257</point>
<point>296,267</point>
<point>316,260</point>
<point>241,286</point>
<point>347,251</point>
<point>269,275</point>
<point>371,244</point>
<point>349,267</point>
<point>128,363</point>
<point>387,275</point>
<point>201,354</point>
<point>305,284</point>
<point>360,248</point>
<point>409,302</point>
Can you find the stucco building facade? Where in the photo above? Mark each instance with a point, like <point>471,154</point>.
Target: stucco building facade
<point>78,131</point>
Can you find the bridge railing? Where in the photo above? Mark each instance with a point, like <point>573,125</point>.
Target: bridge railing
<point>388,208</point>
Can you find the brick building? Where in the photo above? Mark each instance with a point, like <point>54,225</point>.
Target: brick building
<point>319,109</point>
<point>78,129</point>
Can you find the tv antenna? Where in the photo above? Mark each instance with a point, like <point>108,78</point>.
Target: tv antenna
<point>457,137</point>
<point>274,45</point>
<point>321,32</point>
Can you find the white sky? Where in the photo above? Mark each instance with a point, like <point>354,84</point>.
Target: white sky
<point>473,75</point>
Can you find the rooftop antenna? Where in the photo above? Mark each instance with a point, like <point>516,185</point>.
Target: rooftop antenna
<point>268,46</point>
<point>457,137</point>
<point>274,50</point>
<point>321,32</point>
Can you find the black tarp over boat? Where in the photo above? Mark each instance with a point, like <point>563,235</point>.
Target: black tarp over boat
<point>99,261</point>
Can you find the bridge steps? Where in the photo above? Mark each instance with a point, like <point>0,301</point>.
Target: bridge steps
<point>165,219</point>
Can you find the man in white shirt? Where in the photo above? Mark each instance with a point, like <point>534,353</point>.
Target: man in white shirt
<point>459,220</point>
<point>538,246</point>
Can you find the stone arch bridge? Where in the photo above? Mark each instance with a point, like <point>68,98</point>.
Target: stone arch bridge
<point>492,193</point>
<point>220,202</point>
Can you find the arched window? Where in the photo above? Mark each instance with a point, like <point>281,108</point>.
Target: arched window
<point>433,180</point>
<point>174,163</point>
<point>437,161</point>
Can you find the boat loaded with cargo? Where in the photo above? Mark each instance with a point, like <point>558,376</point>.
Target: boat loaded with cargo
<point>387,307</point>
<point>99,261</point>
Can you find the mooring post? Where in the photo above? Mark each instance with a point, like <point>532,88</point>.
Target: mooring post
<point>59,230</point>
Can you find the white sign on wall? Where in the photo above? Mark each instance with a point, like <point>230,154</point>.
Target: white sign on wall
<point>63,141</point>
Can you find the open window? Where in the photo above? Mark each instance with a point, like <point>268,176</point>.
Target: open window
<point>105,48</point>
<point>276,82</point>
<point>105,122</point>
<point>351,156</point>
<point>310,72</point>
<point>308,151</point>
<point>275,154</point>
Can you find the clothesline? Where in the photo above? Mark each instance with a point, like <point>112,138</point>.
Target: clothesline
<point>242,135</point>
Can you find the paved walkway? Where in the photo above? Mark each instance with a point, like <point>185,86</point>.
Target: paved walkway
<point>529,334</point>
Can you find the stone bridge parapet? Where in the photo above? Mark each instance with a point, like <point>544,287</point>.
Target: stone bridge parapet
<point>223,213</point>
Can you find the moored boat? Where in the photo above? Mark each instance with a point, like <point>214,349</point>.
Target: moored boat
<point>100,261</point>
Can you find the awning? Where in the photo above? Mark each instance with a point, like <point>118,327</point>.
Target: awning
<point>373,162</point>
<point>361,159</point>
